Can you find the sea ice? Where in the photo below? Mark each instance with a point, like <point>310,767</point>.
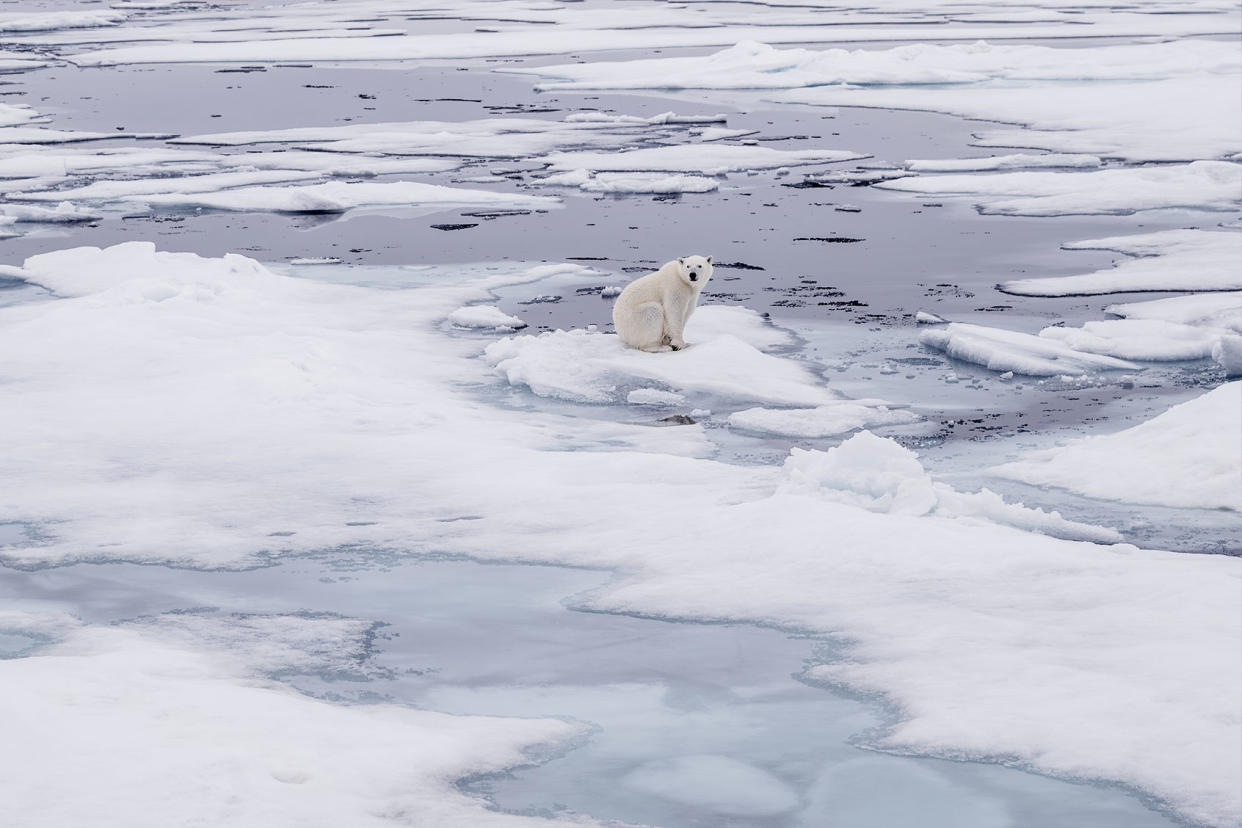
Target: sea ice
<point>714,783</point>
<point>211,412</point>
<point>1167,260</point>
<point>1002,350</point>
<point>714,159</point>
<point>1006,162</point>
<point>1201,185</point>
<point>1190,456</point>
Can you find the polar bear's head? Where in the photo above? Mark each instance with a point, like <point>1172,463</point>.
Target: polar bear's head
<point>695,269</point>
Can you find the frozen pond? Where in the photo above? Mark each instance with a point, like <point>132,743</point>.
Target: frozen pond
<point>692,725</point>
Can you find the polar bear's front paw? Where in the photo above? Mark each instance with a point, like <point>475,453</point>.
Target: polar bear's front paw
<point>677,344</point>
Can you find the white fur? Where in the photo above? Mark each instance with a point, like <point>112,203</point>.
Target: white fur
<point>651,313</point>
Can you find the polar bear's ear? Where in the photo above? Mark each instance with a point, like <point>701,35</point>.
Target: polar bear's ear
<point>681,261</point>
<point>709,259</point>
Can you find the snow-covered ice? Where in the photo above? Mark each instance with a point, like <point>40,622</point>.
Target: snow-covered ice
<point>257,404</point>
<point>1020,161</point>
<point>1190,456</point>
<point>1167,260</point>
<point>1200,185</point>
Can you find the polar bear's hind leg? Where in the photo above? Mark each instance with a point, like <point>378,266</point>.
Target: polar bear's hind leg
<point>646,328</point>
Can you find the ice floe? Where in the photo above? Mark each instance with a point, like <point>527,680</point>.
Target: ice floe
<point>713,159</point>
<point>1201,185</point>
<point>341,196</point>
<point>1142,340</point>
<point>1167,260</point>
<point>588,366</point>
<point>1095,101</point>
<point>1001,350</point>
<point>1190,456</point>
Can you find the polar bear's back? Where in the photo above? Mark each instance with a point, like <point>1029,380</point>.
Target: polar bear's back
<point>649,288</point>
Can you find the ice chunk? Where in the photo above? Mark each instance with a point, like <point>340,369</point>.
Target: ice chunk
<point>1189,456</point>
<point>649,183</point>
<point>823,421</point>
<point>1002,350</point>
<point>46,21</point>
<point>1228,354</point>
<point>1213,310</point>
<point>925,318</point>
<point>485,316</point>
<point>1167,260</point>
<point>714,783</point>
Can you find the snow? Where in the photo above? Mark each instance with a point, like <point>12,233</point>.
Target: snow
<point>1006,162</point>
<point>1167,260</point>
<point>823,421</point>
<point>484,316</point>
<point>1190,456</point>
<point>1001,350</point>
<point>173,408</point>
<point>715,159</point>
<point>117,710</point>
<point>1201,185</point>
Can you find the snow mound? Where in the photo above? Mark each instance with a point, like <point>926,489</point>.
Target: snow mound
<point>1002,350</point>
<point>1190,456</point>
<point>1168,260</point>
<point>487,317</point>
<point>879,475</point>
<point>823,421</point>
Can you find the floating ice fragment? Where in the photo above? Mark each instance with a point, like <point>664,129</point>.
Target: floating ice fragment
<point>485,317</point>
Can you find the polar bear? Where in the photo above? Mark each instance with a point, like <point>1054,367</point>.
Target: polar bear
<point>651,313</point>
